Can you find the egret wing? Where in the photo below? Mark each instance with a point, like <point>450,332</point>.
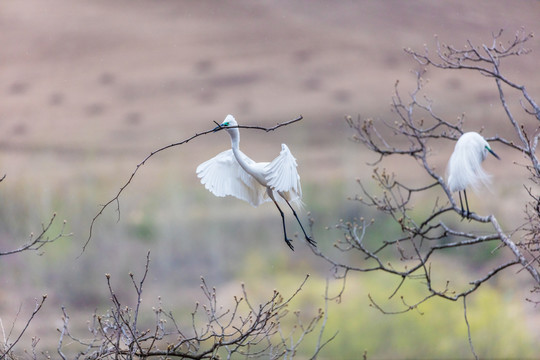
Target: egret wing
<point>222,176</point>
<point>282,176</point>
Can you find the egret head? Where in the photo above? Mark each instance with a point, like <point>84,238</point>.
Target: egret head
<point>473,144</point>
<point>227,123</point>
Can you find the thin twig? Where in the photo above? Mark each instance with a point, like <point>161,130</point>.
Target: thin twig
<point>468,327</point>
<point>320,344</point>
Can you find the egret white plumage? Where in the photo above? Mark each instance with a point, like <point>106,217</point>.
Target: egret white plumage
<point>465,166</point>
<point>233,173</point>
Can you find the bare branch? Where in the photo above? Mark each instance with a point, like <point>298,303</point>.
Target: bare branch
<point>468,327</point>
<point>320,344</point>
<point>35,243</point>
<point>9,347</point>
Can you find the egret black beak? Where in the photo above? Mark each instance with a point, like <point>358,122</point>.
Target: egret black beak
<point>493,153</point>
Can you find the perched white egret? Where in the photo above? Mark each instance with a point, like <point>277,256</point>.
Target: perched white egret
<point>234,173</point>
<point>465,165</point>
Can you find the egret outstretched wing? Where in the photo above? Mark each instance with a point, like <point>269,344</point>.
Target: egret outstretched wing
<point>222,175</point>
<point>282,176</point>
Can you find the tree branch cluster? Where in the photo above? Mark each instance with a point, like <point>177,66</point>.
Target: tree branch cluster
<point>243,330</point>
<point>416,130</point>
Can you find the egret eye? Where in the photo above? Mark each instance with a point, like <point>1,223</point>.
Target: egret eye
<point>225,124</point>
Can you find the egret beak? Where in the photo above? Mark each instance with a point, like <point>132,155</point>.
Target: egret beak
<point>218,127</point>
<point>493,153</point>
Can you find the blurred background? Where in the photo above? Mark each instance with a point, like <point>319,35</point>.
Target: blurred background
<point>89,88</point>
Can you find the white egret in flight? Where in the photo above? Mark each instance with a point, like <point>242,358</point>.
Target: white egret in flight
<point>234,173</point>
<point>465,165</point>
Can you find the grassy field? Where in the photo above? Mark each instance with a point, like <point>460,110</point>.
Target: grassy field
<point>90,88</point>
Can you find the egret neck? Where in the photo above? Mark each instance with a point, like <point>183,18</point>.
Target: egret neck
<point>234,133</point>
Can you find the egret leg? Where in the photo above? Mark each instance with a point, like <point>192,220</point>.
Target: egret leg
<point>468,212</point>
<point>466,203</point>
<point>287,240</point>
<point>308,239</point>
<point>461,204</point>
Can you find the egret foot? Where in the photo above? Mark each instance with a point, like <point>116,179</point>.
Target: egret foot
<point>311,241</point>
<point>308,239</point>
<point>289,243</point>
